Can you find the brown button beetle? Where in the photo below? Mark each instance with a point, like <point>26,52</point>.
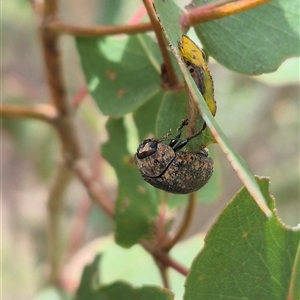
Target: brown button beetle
<point>171,170</point>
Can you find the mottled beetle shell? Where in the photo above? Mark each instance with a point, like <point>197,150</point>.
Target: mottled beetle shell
<point>155,164</point>
<point>175,172</point>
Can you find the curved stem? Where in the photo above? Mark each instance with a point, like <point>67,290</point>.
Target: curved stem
<point>160,233</point>
<point>78,228</point>
<point>45,112</point>
<point>62,28</point>
<point>172,78</point>
<point>85,174</point>
<point>55,203</point>
<point>164,276</point>
<point>163,258</point>
<point>188,216</point>
<point>205,14</point>
<point>167,261</point>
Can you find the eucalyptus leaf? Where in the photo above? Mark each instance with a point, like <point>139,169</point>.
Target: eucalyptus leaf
<point>121,73</point>
<point>246,255</point>
<point>136,206</point>
<point>256,41</point>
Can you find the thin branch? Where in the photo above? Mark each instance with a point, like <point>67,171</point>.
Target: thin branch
<point>163,258</point>
<point>164,276</point>
<point>42,112</point>
<point>84,207</point>
<point>160,232</point>
<point>65,122</point>
<point>55,202</point>
<point>52,60</point>
<point>172,78</point>
<point>205,14</point>
<point>188,216</point>
<point>169,262</point>
<point>67,131</point>
<point>62,28</point>
<point>50,8</point>
<point>84,173</point>
<point>199,15</point>
<point>79,225</point>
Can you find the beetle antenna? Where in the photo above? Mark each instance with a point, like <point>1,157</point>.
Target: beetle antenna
<point>165,137</point>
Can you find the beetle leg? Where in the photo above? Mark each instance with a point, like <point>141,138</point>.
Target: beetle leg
<point>182,143</point>
<point>175,140</point>
<point>197,133</point>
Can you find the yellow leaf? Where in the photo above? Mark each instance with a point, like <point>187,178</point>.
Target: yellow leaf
<point>194,59</point>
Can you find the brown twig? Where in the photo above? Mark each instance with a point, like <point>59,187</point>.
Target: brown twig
<point>84,173</point>
<point>188,216</point>
<point>41,112</point>
<point>52,60</point>
<point>55,202</point>
<point>199,15</point>
<point>67,131</point>
<point>78,227</point>
<point>169,262</point>
<point>204,14</point>
<point>59,27</point>
<point>164,276</point>
<point>84,207</point>
<point>160,233</point>
<point>172,78</point>
<point>163,258</point>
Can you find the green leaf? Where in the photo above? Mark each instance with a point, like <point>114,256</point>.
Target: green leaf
<point>136,260</point>
<point>246,255</point>
<point>173,109</point>
<point>89,281</point>
<point>256,41</point>
<point>123,291</point>
<point>90,288</point>
<point>136,206</point>
<point>145,116</point>
<point>295,278</point>
<point>121,73</point>
<point>236,161</point>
